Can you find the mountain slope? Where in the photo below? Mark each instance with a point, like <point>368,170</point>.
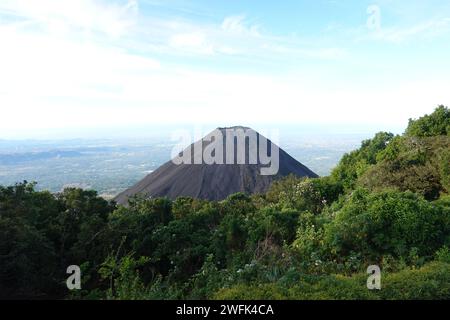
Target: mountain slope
<point>216,181</point>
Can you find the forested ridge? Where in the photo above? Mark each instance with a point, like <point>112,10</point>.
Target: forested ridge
<point>385,204</point>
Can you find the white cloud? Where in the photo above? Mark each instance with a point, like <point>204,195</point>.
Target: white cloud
<point>192,42</point>
<point>235,36</point>
<point>427,29</point>
<point>112,19</point>
<point>168,96</point>
<point>313,53</point>
<point>90,64</point>
<point>232,37</point>
<point>237,25</point>
<point>53,67</point>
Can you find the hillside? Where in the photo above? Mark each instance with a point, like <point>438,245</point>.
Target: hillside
<point>385,204</point>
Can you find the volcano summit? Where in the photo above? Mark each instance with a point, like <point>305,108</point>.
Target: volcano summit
<point>226,161</point>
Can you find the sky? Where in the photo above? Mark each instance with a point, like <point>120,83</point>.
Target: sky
<point>89,65</point>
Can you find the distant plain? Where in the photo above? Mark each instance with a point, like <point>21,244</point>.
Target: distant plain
<point>112,165</point>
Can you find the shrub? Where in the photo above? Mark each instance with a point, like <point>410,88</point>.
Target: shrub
<point>356,163</point>
<point>435,124</point>
<point>388,222</point>
<point>432,281</point>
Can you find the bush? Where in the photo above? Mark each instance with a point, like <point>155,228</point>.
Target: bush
<point>443,255</point>
<point>304,194</point>
<point>435,124</point>
<point>411,164</point>
<point>356,163</point>
<point>388,222</point>
<point>245,292</point>
<point>444,167</point>
<point>429,282</point>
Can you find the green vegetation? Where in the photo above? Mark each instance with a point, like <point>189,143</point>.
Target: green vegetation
<point>431,281</point>
<point>435,124</point>
<point>386,203</point>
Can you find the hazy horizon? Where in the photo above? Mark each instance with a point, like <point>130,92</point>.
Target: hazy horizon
<point>92,65</point>
<point>165,130</point>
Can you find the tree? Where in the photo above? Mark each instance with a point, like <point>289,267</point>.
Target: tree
<point>388,222</point>
<point>435,124</point>
<point>410,163</point>
<point>356,163</point>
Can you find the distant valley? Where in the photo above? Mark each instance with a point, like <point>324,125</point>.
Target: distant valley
<point>111,166</point>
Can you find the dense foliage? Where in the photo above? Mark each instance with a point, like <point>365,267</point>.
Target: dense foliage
<point>386,203</point>
<point>435,124</point>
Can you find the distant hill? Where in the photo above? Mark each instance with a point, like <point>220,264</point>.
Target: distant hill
<point>217,181</point>
<point>417,161</point>
<point>17,158</point>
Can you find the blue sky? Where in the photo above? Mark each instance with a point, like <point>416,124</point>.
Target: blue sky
<point>93,64</point>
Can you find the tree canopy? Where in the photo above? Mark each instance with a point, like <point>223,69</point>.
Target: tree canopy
<point>386,203</point>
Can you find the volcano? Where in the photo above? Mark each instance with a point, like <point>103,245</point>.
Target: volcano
<point>226,161</point>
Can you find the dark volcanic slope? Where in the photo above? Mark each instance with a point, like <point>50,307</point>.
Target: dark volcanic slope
<point>216,181</point>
